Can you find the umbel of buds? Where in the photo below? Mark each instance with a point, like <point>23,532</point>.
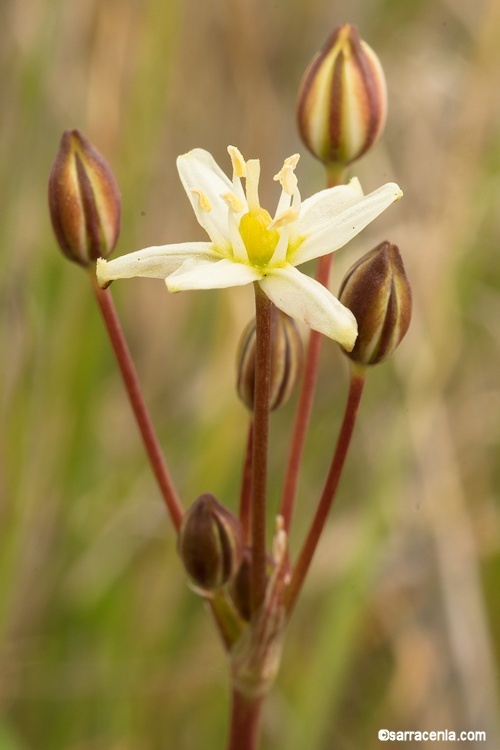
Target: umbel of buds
<point>376,289</point>
<point>342,102</point>
<point>84,200</point>
<point>210,543</point>
<point>286,360</point>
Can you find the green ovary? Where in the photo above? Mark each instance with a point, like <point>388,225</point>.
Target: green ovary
<point>260,242</point>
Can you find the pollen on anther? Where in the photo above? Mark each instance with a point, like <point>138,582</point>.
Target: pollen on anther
<point>286,217</point>
<point>233,202</point>
<point>237,160</point>
<point>203,201</point>
<point>286,176</point>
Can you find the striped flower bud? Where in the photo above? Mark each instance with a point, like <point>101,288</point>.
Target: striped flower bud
<point>342,102</point>
<point>84,200</point>
<point>210,543</point>
<point>286,360</point>
<point>376,289</point>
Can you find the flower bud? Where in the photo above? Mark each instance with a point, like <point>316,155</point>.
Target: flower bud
<point>376,289</point>
<point>241,593</point>
<point>210,543</point>
<point>342,103</point>
<point>286,360</point>
<point>84,200</point>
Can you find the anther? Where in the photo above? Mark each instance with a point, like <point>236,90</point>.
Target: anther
<point>237,160</point>
<point>233,202</point>
<point>203,201</point>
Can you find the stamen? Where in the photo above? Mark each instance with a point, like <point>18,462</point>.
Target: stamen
<point>238,162</point>
<point>238,246</point>
<point>203,202</point>
<point>296,201</point>
<point>233,202</point>
<point>286,176</point>
<point>281,250</point>
<point>283,203</point>
<point>252,186</point>
<point>292,161</point>
<point>286,217</point>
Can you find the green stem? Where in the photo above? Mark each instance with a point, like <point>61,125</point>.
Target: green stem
<point>358,377</point>
<point>260,445</point>
<point>133,388</point>
<point>227,620</point>
<point>245,722</point>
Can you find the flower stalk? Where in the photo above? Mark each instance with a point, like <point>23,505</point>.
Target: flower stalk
<point>335,176</point>
<point>139,408</point>
<point>246,486</point>
<point>357,382</point>
<point>304,408</point>
<point>263,308</point>
<point>245,721</point>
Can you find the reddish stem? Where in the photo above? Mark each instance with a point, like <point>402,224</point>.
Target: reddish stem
<point>131,381</point>
<point>334,176</point>
<point>355,392</point>
<point>246,487</point>
<point>304,408</point>
<point>245,722</point>
<point>260,444</point>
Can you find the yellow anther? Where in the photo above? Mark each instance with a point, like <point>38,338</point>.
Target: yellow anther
<point>203,201</point>
<point>286,217</point>
<point>238,162</point>
<point>292,161</point>
<point>286,174</point>
<point>233,202</point>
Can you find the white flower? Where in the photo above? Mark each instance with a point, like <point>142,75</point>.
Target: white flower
<point>247,245</point>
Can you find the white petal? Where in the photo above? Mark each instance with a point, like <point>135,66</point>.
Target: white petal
<point>198,170</point>
<point>314,208</point>
<point>307,300</point>
<point>333,228</point>
<point>205,274</point>
<point>152,262</point>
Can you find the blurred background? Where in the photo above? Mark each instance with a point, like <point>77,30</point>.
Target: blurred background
<point>102,644</point>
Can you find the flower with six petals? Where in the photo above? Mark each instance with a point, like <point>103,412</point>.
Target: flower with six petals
<point>248,245</point>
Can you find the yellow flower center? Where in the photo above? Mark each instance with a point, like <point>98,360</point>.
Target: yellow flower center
<point>260,242</point>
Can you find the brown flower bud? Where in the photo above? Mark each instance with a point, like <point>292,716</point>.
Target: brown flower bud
<point>241,593</point>
<point>286,360</point>
<point>342,102</point>
<point>376,289</point>
<point>210,543</point>
<point>84,200</point>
